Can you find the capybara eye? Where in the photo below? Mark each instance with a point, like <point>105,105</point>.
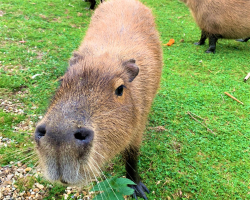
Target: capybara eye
<point>119,90</point>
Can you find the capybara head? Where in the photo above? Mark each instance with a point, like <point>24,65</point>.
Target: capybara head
<point>90,119</point>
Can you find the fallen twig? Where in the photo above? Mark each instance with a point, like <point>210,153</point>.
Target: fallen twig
<point>197,116</point>
<point>233,98</point>
<point>247,77</point>
<point>191,115</point>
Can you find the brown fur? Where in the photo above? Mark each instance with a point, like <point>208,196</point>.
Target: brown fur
<point>120,30</point>
<point>228,18</point>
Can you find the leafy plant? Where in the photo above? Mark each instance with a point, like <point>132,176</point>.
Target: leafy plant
<point>113,188</point>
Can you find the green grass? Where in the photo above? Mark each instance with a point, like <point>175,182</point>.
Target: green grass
<point>184,161</point>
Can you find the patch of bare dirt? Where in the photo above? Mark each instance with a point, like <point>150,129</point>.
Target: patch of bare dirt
<point>4,142</point>
<point>12,106</point>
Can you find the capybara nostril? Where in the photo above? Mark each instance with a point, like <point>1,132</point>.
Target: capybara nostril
<point>84,134</point>
<point>40,132</point>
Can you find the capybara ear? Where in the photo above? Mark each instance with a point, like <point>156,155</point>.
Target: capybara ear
<point>75,58</point>
<point>131,68</point>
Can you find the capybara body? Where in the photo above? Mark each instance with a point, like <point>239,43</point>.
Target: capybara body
<point>102,104</point>
<point>229,19</point>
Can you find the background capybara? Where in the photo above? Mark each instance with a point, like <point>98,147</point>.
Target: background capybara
<point>102,104</point>
<point>221,19</point>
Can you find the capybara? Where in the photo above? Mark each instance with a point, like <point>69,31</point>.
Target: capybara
<point>101,107</point>
<point>229,19</point>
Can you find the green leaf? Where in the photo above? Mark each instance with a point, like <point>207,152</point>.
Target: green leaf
<point>113,188</point>
<point>124,181</point>
<point>114,195</point>
<point>126,190</point>
<point>109,195</point>
<point>101,186</point>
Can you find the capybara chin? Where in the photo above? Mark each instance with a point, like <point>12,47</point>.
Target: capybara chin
<point>229,19</point>
<point>102,104</point>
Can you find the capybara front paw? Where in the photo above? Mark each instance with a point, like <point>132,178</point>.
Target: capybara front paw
<point>140,190</point>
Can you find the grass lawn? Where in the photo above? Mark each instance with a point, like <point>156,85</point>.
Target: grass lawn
<point>197,142</point>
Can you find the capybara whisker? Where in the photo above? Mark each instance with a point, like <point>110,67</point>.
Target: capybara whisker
<point>31,160</point>
<point>101,172</point>
<point>33,168</point>
<point>104,176</point>
<point>99,186</point>
<point>17,152</point>
<point>27,157</point>
<point>86,177</point>
<point>99,154</point>
<point>130,167</point>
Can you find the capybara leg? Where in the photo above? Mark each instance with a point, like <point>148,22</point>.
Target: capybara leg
<point>92,6</point>
<point>203,38</point>
<point>243,40</point>
<point>212,43</point>
<point>131,159</point>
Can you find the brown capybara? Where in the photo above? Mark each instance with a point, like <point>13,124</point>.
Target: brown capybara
<point>102,104</point>
<point>229,19</point>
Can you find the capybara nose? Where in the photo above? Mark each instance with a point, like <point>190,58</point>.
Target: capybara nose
<point>40,132</point>
<point>84,135</point>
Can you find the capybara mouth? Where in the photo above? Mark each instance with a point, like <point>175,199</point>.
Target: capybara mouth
<point>63,182</point>
<point>66,175</point>
<point>69,163</point>
<point>72,175</point>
